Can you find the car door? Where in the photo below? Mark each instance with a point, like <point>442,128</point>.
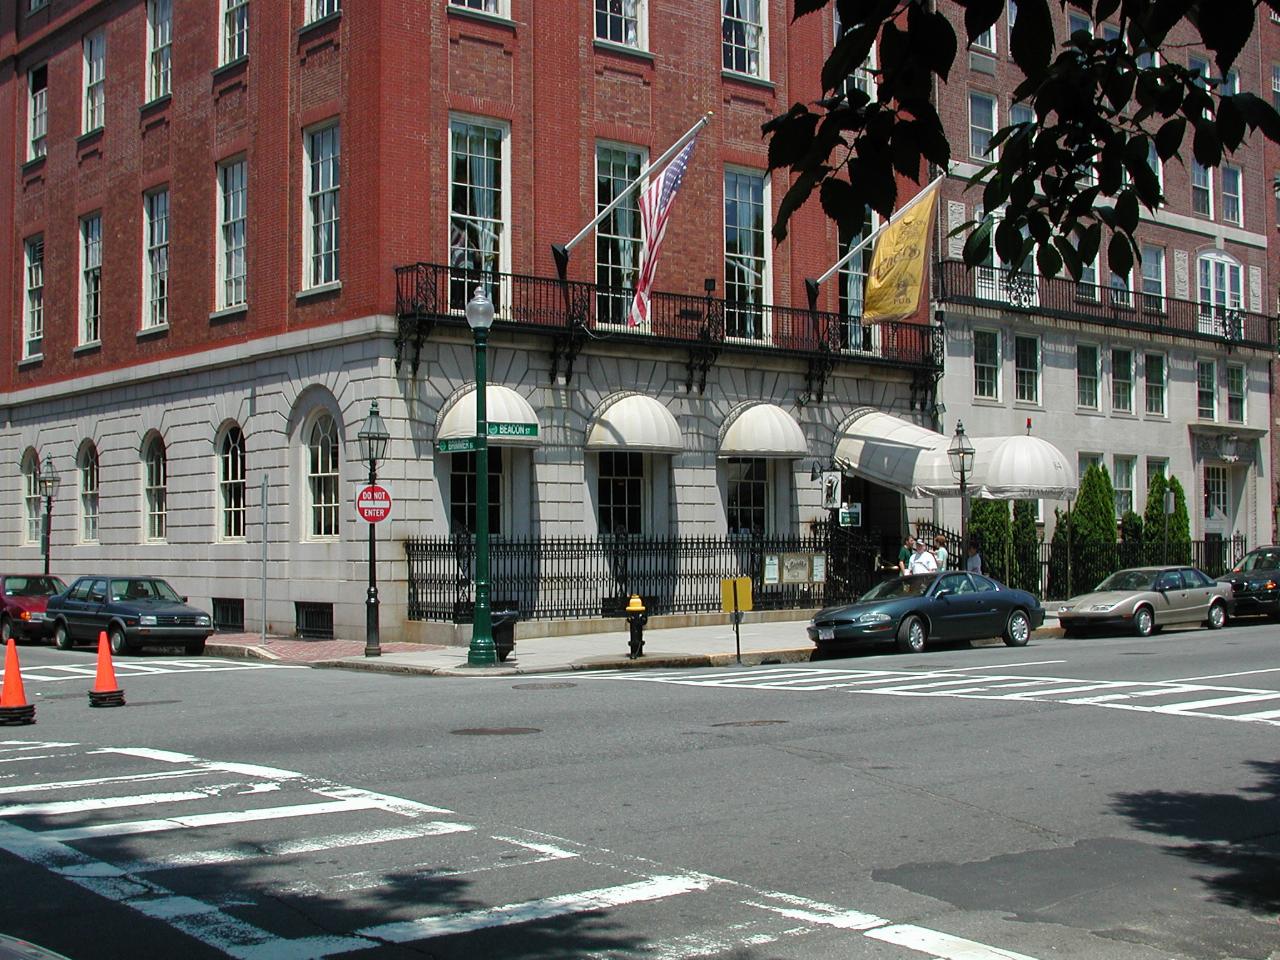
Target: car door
<point>956,614</point>
<point>93,612</point>
<point>1173,605</point>
<point>1199,594</point>
<point>993,604</point>
<point>72,607</point>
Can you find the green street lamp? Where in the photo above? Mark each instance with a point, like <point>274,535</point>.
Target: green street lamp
<point>961,454</point>
<point>373,438</point>
<point>482,652</point>
<point>49,478</point>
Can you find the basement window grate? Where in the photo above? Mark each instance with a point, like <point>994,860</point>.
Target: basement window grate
<point>228,615</point>
<point>314,620</point>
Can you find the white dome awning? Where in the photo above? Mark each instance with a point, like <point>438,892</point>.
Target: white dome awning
<point>764,430</point>
<point>502,405</point>
<point>634,422</point>
<point>1025,468</point>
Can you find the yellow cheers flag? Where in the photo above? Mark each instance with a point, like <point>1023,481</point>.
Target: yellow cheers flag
<point>897,266</point>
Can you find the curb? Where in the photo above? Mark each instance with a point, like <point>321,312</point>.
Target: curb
<point>240,651</point>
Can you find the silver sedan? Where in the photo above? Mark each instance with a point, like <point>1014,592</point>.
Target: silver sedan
<point>1143,599</point>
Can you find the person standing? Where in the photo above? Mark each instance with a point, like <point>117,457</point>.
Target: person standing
<point>973,562</point>
<point>922,561</point>
<point>940,551</point>
<point>904,554</point>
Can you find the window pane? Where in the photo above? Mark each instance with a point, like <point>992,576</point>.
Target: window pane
<point>620,491</point>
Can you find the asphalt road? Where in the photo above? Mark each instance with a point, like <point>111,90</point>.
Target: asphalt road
<point>1101,798</point>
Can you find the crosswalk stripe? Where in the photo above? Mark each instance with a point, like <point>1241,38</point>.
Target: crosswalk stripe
<point>99,781</point>
<point>1219,702</point>
<point>942,946</point>
<point>58,807</point>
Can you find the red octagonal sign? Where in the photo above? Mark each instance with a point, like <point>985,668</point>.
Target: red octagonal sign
<point>373,503</point>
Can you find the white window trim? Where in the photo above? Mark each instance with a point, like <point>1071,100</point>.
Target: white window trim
<point>643,154</point>
<point>999,366</point>
<point>989,47</point>
<point>766,283</point>
<point>309,280</point>
<point>90,529</point>
<point>762,50</point>
<point>1038,370</point>
<point>155,498</point>
<point>1164,384</point>
<point>32,499</point>
<point>642,28</point>
<point>1238,220</point>
<point>32,306</point>
<point>1208,188</point>
<point>225,508</point>
<point>503,302</point>
<point>1244,393</point>
<point>1160,305</point>
<point>37,114</point>
<point>319,9</point>
<point>992,153</point>
<point>1132,381</point>
<point>310,503</point>
<point>222,225</point>
<point>159,59</point>
<point>93,102</point>
<point>1097,376</point>
<point>232,47</point>
<point>149,314</point>
<point>495,8</point>
<point>1132,461</point>
<point>89,337</point>
<point>1213,393</point>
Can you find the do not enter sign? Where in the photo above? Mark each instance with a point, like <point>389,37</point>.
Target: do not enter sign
<point>373,503</point>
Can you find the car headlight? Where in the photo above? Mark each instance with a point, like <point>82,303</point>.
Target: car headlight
<point>34,616</point>
<point>147,620</point>
<point>873,618</point>
<point>203,620</point>
<point>1103,607</point>
<point>1066,609</point>
<point>812,624</point>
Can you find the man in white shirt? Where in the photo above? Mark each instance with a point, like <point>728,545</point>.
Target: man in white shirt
<point>922,561</point>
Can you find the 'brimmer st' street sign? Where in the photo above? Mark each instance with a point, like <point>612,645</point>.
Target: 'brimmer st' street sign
<point>458,445</point>
<point>499,429</point>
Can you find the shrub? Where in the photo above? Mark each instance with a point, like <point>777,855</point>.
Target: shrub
<point>989,526</point>
<point>1025,574</point>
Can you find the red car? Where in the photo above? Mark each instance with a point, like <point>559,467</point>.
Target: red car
<point>24,598</point>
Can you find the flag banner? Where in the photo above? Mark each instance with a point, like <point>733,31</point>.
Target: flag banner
<point>655,210</point>
<point>897,265</point>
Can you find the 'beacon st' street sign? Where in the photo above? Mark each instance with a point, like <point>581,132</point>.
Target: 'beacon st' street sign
<point>500,429</point>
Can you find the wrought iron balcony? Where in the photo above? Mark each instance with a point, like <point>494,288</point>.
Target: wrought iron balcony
<point>1064,299</point>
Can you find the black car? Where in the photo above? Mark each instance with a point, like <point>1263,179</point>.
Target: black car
<point>1255,583</point>
<point>931,607</point>
<point>132,611</point>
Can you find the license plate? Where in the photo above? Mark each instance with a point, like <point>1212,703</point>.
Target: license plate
<point>826,633</point>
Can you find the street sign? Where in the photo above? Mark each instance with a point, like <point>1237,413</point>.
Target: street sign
<point>851,515</point>
<point>458,445</point>
<point>735,594</point>
<point>500,429</point>
<point>373,503</point>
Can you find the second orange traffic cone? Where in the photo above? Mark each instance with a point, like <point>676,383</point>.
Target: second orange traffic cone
<point>13,698</point>
<point>106,692</point>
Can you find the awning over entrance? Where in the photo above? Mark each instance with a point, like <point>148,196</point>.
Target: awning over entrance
<point>764,430</point>
<point>502,405</point>
<point>634,422</point>
<point>1024,468</point>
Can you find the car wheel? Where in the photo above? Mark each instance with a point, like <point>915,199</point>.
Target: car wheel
<point>1018,630</point>
<point>61,638</point>
<point>911,635</point>
<point>6,629</point>
<point>1217,616</point>
<point>1143,622</point>
<point>119,645</point>
<point>195,648</point>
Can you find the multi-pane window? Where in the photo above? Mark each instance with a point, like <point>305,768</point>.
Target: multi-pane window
<point>37,111</point>
<point>1122,380</point>
<point>91,279</point>
<point>33,312</point>
<point>619,21</point>
<point>464,496</point>
<point>1026,369</point>
<point>319,9</point>
<point>854,335</point>
<point>1275,86</point>
<point>87,471</point>
<point>1077,22</point>
<point>155,311</point>
<point>1086,460</point>
<point>323,183</point>
<point>1087,376</point>
<point>1230,84</point>
<point>233,233</point>
<point>986,41</point>
<point>156,489</point>
<point>31,498</point>
<point>235,30</point>
<point>1021,113</point>
<point>476,242</point>
<point>231,485</point>
<point>1200,67</point>
<point>1206,390</point>
<point>1154,383</point>
<point>863,78</point>
<point>982,124</point>
<point>322,476</point>
<point>1087,286</point>
<point>747,501</point>
<point>1221,296</point>
<point>618,235</point>
<point>1217,498</point>
<point>487,6</point>
<point>95,65</point>
<point>745,252</point>
<point>1235,393</point>
<point>1232,207</point>
<point>1122,484</point>
<point>159,47</point>
<point>1153,279</point>
<point>1156,164</point>
<point>1121,295</point>
<point>1201,190</point>
<point>620,493</point>
<point>742,30</point>
<point>986,364</point>
<point>1156,467</point>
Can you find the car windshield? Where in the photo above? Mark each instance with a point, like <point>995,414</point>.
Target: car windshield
<point>33,586</point>
<point>1129,580</point>
<point>899,587</point>
<point>143,590</point>
<point>1258,560</point>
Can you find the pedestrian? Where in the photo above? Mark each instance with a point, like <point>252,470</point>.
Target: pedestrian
<point>922,561</point>
<point>940,551</point>
<point>904,554</point>
<point>973,562</point>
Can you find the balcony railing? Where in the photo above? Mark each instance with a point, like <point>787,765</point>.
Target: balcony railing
<point>427,291</point>
<point>1066,299</point>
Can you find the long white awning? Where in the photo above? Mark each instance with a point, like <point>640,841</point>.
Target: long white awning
<point>764,430</point>
<point>634,422</point>
<point>502,405</point>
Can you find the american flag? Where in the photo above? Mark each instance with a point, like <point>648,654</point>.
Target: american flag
<point>655,210</point>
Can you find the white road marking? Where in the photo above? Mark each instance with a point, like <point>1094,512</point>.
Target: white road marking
<point>97,781</point>
<point>55,808</point>
<point>1010,666</point>
<point>61,672</point>
<point>941,945</point>
<point>1219,702</point>
<point>1224,676</point>
<point>17,746</point>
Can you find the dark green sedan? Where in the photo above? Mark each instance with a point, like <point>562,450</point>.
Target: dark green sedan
<point>929,608</point>
<point>132,611</point>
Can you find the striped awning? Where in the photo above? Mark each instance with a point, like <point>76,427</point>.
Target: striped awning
<point>502,405</point>
<point>764,430</point>
<point>633,421</point>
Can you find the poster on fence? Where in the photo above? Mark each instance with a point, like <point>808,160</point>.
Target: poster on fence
<point>771,568</point>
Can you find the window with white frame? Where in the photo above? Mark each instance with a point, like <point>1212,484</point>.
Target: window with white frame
<point>31,498</point>
<point>33,307</point>
<point>159,47</point>
<point>1153,279</point>
<point>994,279</point>
<point>464,492</point>
<point>1156,164</point>
<point>1012,18</point>
<point>323,149</point>
<point>155,279</point>
<point>747,495</point>
<point>155,488</point>
<point>496,7</point>
<point>1121,294</point>
<point>231,485</point>
<point>87,472</point>
<point>235,30</point>
<point>1087,376</point>
<point>1275,85</point>
<point>854,335</point>
<point>91,279</point>
<point>95,77</point>
<point>982,124</point>
<point>1021,113</point>
<point>986,364</point>
<point>233,233</point>
<point>1156,467</point>
<point>34,5</point>
<point>985,41</point>
<point>1086,460</point>
<point>319,9</point>
<point>621,21</point>
<point>1026,369</point>
<point>37,111</point>
<point>477,213</point>
<point>1087,285</point>
<point>618,237</point>
<point>864,77</point>
<point>1230,84</point>
<point>1206,390</point>
<point>620,490</point>
<point>1122,483</point>
<point>1235,393</point>
<point>322,476</point>
<point>1232,196</point>
<point>1221,296</point>
<point>742,30</point>
<point>1200,67</point>
<point>1122,380</point>
<point>746,264</point>
<point>1217,496</point>
<point>1077,22</point>
<point>1154,383</point>
<point>1201,190</point>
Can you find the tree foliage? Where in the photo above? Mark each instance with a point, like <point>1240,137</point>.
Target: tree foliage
<point>1093,530</point>
<point>1179,525</point>
<point>1153,520</point>
<point>1025,574</point>
<point>989,526</point>
<point>1100,105</point>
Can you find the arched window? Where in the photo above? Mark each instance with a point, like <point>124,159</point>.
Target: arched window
<point>156,488</point>
<point>31,497</point>
<point>231,483</point>
<point>1221,294</point>
<point>322,476</point>
<point>88,476</point>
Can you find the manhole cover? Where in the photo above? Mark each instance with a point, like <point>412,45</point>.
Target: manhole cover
<point>494,731</point>
<point>748,723</point>
<point>542,686</point>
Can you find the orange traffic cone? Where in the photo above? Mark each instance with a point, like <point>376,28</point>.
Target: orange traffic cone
<point>106,692</point>
<point>13,699</point>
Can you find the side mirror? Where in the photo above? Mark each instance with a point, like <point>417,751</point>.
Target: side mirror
<point>184,599</point>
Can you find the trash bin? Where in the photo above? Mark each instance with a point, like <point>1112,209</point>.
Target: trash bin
<point>503,616</point>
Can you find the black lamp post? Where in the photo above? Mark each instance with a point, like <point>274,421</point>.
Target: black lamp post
<point>482,652</point>
<point>373,438</point>
<point>961,454</point>
<point>48,486</point>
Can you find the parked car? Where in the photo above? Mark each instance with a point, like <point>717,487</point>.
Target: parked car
<point>1144,599</point>
<point>133,611</point>
<point>1255,583</point>
<point>914,611</point>
<point>24,597</point>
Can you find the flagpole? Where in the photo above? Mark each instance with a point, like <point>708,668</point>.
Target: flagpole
<point>561,252</point>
